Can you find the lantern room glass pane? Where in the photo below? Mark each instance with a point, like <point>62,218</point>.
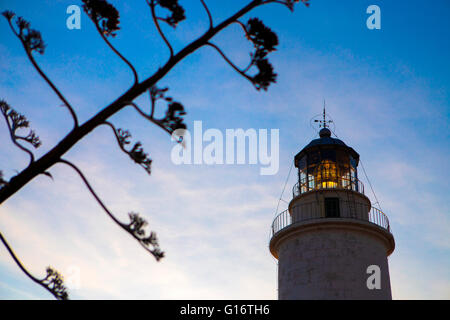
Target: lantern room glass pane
<point>303,181</point>
<point>354,180</point>
<point>327,174</point>
<point>346,181</point>
<point>327,167</point>
<point>302,175</point>
<point>352,162</point>
<point>311,182</point>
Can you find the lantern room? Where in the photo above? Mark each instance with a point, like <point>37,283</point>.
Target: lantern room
<point>327,163</point>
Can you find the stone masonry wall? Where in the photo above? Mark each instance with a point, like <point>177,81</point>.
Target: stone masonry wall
<point>330,262</point>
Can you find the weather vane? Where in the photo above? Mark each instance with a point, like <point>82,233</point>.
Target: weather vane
<point>324,123</point>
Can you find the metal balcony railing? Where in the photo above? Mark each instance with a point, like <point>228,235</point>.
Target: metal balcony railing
<point>303,213</point>
<point>341,183</point>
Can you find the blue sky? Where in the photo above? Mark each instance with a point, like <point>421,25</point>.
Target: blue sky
<point>387,91</point>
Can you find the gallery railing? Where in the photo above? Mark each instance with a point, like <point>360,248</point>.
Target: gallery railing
<point>286,219</point>
<point>340,183</point>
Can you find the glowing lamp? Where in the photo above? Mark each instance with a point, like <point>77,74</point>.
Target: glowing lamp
<point>327,163</point>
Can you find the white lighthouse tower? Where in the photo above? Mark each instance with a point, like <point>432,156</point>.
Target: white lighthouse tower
<point>331,243</point>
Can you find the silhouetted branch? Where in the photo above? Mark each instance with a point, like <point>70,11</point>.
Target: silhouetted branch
<point>155,93</point>
<point>151,4</point>
<point>243,27</point>
<point>136,153</point>
<point>91,190</point>
<point>14,140</point>
<point>264,40</point>
<point>16,121</point>
<point>32,41</point>
<point>288,3</point>
<point>134,228</point>
<point>100,11</point>
<point>104,14</point>
<point>53,155</point>
<point>176,11</point>
<point>106,19</point>
<point>53,281</point>
<point>148,117</point>
<point>173,118</point>
<point>3,182</point>
<point>247,36</point>
<point>229,61</point>
<point>211,25</point>
<point>136,78</point>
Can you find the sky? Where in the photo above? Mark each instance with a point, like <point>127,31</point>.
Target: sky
<point>387,91</point>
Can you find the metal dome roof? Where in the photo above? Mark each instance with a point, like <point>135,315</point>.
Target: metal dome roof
<point>326,140</point>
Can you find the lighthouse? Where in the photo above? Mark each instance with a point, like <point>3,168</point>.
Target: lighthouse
<point>331,243</point>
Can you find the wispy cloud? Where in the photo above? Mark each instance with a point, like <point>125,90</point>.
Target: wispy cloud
<point>213,221</point>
